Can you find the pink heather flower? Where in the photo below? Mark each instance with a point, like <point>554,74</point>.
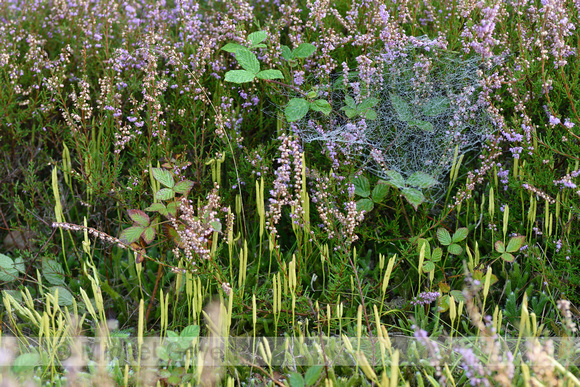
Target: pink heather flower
<point>554,120</point>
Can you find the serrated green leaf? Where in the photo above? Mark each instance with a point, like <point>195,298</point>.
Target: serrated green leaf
<point>7,270</point>
<point>164,177</point>
<point>380,192</point>
<point>232,47</point>
<point>131,234</point>
<point>257,37</point>
<point>304,50</point>
<point>287,53</point>
<point>65,298</point>
<point>350,112</point>
<point>455,249</point>
<point>165,194</point>
<point>367,104</point>
<point>25,363</point>
<point>139,217</point>
<point>259,45</point>
<point>515,243</point>
<point>19,265</point>
<point>397,179</point>
<point>239,76</point>
<point>321,105</point>
<point>460,234</point>
<point>421,180</point>
<point>458,295</point>
<point>366,205</point>
<point>499,247</point>
<point>270,74</point>
<point>296,380</point>
<point>401,108</point>
<point>148,234</point>
<point>216,225</point>
<point>296,109</point>
<point>423,125</point>
<point>53,272</point>
<point>508,257</point>
<point>362,186</point>
<point>428,266</point>
<point>435,106</point>
<point>172,208</point>
<point>443,236</point>
<point>436,254</point>
<point>183,187</point>
<point>350,102</point>
<point>370,114</point>
<point>190,331</point>
<point>157,207</point>
<point>312,375</point>
<point>413,196</point>
<point>248,60</point>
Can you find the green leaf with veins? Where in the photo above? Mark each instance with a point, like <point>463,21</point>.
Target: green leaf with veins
<point>321,105</point>
<point>296,109</point>
<point>239,76</point>
<point>248,60</point>
<point>164,177</point>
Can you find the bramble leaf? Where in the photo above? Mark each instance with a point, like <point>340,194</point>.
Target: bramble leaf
<point>350,112</point>
<point>65,298</point>
<point>304,50</point>
<point>157,207</point>
<point>349,101</point>
<point>401,108</point>
<point>149,234</point>
<point>428,266</point>
<point>367,104</point>
<point>232,47</point>
<point>312,375</point>
<point>183,187</point>
<point>436,106</point>
<point>436,254</point>
<point>508,257</point>
<point>397,179</point>
<point>421,180</point>
<point>139,217</point>
<point>270,74</point>
<point>455,249</point>
<point>413,196</point>
<point>239,76</point>
<point>362,187</point>
<point>257,37</point>
<point>165,194</point>
<point>248,60</point>
<point>423,125</point>
<point>287,53</point>
<point>296,109</point>
<point>53,272</point>
<point>216,225</point>
<point>460,234</point>
<point>172,208</point>
<point>7,270</point>
<point>380,191</point>
<point>515,243</point>
<point>499,247</point>
<point>443,236</point>
<point>366,205</point>
<point>370,114</point>
<point>321,105</point>
<point>164,177</point>
<point>131,234</point>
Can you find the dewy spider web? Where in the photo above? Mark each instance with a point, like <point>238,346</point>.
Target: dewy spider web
<point>428,103</point>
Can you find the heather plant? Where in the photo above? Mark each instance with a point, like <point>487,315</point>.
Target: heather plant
<point>289,193</point>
